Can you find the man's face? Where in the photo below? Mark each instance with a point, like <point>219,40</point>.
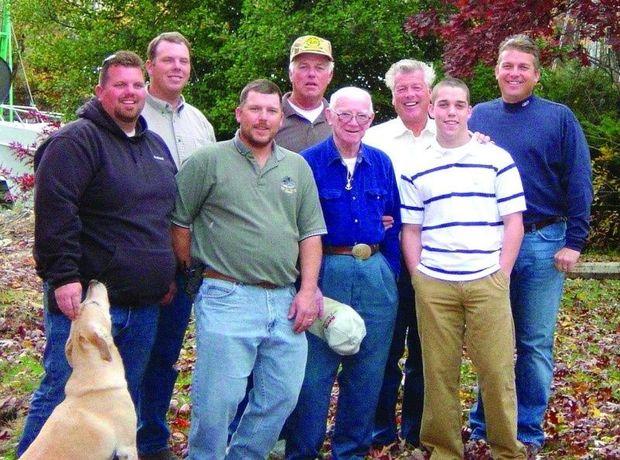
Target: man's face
<point>516,75</point>
<point>170,69</point>
<point>310,76</point>
<point>259,119</point>
<point>411,96</point>
<point>352,131</point>
<point>123,95</point>
<point>451,112</point>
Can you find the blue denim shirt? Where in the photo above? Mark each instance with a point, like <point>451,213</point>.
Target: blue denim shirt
<point>354,216</point>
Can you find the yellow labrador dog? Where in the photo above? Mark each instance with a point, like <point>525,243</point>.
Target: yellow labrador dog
<point>97,419</point>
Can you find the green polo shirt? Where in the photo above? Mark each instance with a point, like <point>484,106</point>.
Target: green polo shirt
<point>247,222</point>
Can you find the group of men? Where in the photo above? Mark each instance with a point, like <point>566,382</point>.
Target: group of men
<point>486,229</point>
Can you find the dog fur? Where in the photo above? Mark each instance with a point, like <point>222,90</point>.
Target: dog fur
<point>97,419</point>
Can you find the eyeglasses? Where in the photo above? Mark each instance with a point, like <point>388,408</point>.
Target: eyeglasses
<point>346,117</point>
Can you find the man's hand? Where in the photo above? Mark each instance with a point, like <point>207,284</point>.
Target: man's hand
<point>304,309</point>
<point>387,221</point>
<point>481,138</point>
<point>565,259</point>
<point>172,291</point>
<point>68,298</point>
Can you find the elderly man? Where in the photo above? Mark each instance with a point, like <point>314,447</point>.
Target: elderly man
<point>105,192</point>
<point>462,227</point>
<point>554,161</point>
<point>357,187</point>
<point>184,129</point>
<point>403,138</point>
<point>254,210</point>
<point>310,70</point>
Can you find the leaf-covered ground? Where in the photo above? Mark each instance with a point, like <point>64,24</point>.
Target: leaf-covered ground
<point>583,420</point>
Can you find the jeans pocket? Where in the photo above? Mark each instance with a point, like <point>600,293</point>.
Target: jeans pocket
<point>217,289</point>
<point>500,279</point>
<point>553,233</point>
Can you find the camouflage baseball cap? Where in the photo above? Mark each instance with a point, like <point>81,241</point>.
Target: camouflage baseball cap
<point>313,45</point>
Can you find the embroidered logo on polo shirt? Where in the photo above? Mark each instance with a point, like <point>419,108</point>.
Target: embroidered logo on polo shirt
<point>288,185</point>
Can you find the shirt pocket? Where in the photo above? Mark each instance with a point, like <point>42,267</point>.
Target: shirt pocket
<point>331,203</point>
<point>375,202</point>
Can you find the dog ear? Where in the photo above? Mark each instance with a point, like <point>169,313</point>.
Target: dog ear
<point>100,339</point>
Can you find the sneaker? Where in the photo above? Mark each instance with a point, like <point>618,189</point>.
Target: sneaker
<point>165,454</point>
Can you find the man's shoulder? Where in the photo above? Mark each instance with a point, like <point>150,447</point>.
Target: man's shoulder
<point>317,149</point>
<point>375,153</point>
<point>378,132</point>
<point>491,105</point>
<point>489,152</point>
<point>288,155</point>
<point>553,107</point>
<point>195,111</point>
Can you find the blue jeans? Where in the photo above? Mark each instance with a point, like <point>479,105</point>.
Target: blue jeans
<point>405,331</point>
<point>242,329</point>
<point>133,330</point>
<point>535,295</point>
<point>370,288</point>
<point>160,375</point>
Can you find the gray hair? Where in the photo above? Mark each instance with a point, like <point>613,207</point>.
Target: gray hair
<point>293,64</point>
<point>409,66</point>
<point>352,92</point>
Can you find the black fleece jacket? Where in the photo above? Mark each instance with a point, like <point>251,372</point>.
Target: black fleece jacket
<point>102,208</point>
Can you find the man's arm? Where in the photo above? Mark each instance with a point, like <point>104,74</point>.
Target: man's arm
<point>513,235</point>
<point>411,245</point>
<point>181,245</point>
<point>63,173</point>
<point>304,307</point>
<point>578,180</point>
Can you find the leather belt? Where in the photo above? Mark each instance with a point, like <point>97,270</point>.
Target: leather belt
<point>532,227</point>
<point>360,251</point>
<point>210,273</point>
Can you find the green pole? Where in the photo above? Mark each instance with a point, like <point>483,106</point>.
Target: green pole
<point>6,51</point>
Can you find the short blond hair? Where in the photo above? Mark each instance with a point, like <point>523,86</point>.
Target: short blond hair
<point>523,43</point>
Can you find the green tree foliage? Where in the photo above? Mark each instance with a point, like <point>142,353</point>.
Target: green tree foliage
<point>233,43</point>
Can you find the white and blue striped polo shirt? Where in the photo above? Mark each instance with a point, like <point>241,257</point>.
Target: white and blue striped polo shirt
<point>458,197</point>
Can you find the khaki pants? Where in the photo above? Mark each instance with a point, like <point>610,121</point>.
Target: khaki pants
<point>478,314</point>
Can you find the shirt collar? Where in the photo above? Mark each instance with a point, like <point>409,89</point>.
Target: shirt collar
<point>246,152</point>
<point>334,154</point>
<point>161,105</point>
<point>457,151</point>
<point>516,106</point>
<point>289,111</point>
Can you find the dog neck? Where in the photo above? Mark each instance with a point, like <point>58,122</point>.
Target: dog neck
<point>91,374</point>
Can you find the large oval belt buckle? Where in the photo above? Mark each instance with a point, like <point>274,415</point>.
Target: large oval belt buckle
<point>361,251</point>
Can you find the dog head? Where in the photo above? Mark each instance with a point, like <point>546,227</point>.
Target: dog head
<point>92,329</point>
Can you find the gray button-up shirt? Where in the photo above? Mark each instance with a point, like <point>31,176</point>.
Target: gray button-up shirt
<point>183,129</point>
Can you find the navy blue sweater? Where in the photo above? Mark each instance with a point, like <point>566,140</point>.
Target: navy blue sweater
<point>551,153</point>
<point>102,207</point>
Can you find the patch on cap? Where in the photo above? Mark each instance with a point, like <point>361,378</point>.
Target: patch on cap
<point>313,45</point>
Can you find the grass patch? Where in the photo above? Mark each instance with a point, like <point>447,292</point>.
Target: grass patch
<point>22,377</point>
